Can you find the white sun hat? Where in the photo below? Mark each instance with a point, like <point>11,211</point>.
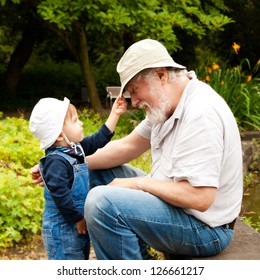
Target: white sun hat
<point>47,118</point>
<point>144,54</point>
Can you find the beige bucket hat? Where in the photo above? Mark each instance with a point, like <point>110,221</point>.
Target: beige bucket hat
<point>144,54</point>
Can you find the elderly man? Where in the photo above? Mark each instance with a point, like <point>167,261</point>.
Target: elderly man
<point>188,203</point>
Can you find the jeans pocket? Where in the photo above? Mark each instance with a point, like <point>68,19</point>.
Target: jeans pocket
<point>210,248</point>
<point>48,239</point>
<point>206,242</point>
<point>202,250</point>
<point>72,241</point>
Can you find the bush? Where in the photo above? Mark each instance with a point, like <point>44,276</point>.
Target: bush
<point>51,79</point>
<point>241,91</point>
<point>21,201</point>
<point>46,79</point>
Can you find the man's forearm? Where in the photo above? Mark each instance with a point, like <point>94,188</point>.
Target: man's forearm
<point>107,157</point>
<point>118,152</point>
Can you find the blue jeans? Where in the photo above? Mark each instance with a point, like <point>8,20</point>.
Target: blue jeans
<point>61,238</point>
<point>63,242</point>
<point>122,222</point>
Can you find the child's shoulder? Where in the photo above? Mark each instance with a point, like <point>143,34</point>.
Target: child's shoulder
<point>57,160</point>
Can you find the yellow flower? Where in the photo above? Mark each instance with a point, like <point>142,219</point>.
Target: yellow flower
<point>222,82</point>
<point>207,78</point>
<point>236,47</point>
<point>215,66</point>
<point>258,62</point>
<point>249,78</point>
<point>209,69</point>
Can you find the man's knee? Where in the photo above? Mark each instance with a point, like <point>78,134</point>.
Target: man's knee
<point>98,204</point>
<point>93,202</point>
<point>102,203</point>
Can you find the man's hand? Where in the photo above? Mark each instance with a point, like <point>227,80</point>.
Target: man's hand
<point>130,183</point>
<point>36,176</point>
<point>181,194</point>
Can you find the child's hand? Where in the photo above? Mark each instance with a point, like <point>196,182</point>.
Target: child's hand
<point>81,226</point>
<point>120,106</point>
<point>36,175</point>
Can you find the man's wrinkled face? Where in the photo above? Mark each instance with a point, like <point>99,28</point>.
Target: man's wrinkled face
<point>149,95</point>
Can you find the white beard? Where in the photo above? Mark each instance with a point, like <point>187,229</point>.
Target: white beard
<point>156,115</point>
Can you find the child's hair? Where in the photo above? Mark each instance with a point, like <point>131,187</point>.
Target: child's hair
<point>70,113</point>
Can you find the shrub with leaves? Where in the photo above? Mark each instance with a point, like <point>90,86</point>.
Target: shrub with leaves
<point>21,201</point>
<point>21,205</point>
<point>240,88</point>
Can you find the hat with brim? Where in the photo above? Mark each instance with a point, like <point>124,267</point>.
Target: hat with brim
<point>142,55</point>
<point>47,119</point>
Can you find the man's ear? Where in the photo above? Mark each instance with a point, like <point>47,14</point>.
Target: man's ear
<point>163,75</point>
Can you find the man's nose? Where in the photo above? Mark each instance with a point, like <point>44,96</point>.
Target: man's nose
<point>134,101</point>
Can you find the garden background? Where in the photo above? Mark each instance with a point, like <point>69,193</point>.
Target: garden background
<point>60,48</point>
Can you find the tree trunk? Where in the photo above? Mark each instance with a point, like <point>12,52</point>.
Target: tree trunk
<point>85,66</point>
<point>20,57</point>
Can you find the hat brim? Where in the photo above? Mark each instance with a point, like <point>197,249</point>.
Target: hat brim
<point>64,110</point>
<point>155,65</point>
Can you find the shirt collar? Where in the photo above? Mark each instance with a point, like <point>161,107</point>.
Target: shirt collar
<point>187,91</point>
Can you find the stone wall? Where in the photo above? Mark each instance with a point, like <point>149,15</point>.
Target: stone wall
<point>251,151</point>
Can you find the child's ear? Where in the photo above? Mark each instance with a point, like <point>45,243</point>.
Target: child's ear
<point>60,138</point>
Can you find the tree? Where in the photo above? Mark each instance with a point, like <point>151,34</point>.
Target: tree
<point>21,54</point>
<point>127,20</point>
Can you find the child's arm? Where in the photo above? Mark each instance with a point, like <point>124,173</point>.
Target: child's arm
<point>119,107</point>
<point>99,139</point>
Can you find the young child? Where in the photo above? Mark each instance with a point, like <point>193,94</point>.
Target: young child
<point>65,173</point>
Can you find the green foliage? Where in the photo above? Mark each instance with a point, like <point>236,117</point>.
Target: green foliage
<point>6,48</point>
<point>47,79</point>
<point>144,162</point>
<point>251,198</point>
<point>240,90</point>
<point>61,12</point>
<point>91,121</point>
<point>17,143</point>
<point>21,201</point>
<point>106,24</point>
<point>251,179</point>
<point>105,73</point>
<point>255,225</point>
<point>156,18</point>
<point>21,205</point>
<point>64,79</point>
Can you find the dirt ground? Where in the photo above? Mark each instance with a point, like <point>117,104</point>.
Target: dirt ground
<point>33,250</point>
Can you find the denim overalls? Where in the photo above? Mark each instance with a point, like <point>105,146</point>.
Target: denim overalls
<point>61,239</point>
